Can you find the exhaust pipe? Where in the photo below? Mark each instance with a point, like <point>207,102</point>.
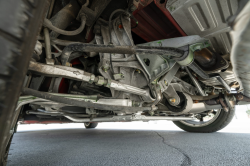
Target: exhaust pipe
<point>128,118</point>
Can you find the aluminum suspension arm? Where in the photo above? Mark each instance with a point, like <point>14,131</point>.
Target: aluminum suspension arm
<point>80,75</point>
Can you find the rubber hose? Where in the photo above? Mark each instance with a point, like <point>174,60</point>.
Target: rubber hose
<point>47,23</point>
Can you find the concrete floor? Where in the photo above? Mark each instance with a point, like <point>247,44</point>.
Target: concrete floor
<point>128,147</point>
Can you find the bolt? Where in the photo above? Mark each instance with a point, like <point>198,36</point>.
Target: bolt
<point>172,8</point>
<point>240,97</point>
<point>172,100</point>
<point>160,44</point>
<point>151,113</point>
<point>105,69</point>
<point>68,64</point>
<point>120,26</point>
<point>139,71</point>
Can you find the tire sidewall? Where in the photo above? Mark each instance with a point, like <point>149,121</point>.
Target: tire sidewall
<point>222,121</point>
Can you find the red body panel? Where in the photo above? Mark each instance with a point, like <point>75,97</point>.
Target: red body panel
<point>155,22</point>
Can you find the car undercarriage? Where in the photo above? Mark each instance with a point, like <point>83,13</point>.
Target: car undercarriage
<point>91,61</point>
<point>131,60</point>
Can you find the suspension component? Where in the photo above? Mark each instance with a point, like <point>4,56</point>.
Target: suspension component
<point>80,75</point>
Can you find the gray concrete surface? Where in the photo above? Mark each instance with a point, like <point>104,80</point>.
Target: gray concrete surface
<point>128,147</point>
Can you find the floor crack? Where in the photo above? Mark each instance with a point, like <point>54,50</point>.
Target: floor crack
<point>186,161</point>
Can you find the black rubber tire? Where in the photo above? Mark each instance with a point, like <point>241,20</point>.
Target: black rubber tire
<point>90,125</point>
<point>222,121</point>
<point>20,21</point>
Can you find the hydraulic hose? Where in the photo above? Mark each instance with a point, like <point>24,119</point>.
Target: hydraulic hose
<point>47,23</point>
<point>59,99</point>
<point>64,17</point>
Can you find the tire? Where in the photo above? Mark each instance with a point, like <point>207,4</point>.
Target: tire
<point>20,22</point>
<point>223,119</point>
<point>90,125</point>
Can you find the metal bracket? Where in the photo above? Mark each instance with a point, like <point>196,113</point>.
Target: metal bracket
<point>153,65</point>
<point>90,111</point>
<point>168,77</point>
<point>222,81</point>
<point>157,65</point>
<point>171,95</point>
<point>224,106</point>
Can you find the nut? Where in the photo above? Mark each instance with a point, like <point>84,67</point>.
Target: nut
<point>105,68</point>
<point>118,76</point>
<point>172,100</point>
<point>100,81</point>
<point>108,83</point>
<point>92,78</point>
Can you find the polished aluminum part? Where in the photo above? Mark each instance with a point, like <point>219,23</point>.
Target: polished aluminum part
<point>177,42</point>
<point>47,104</point>
<point>196,83</point>
<point>197,69</point>
<point>240,51</point>
<point>118,102</point>
<point>206,18</point>
<point>223,82</point>
<point>80,75</point>
<point>31,99</point>
<point>165,81</point>
<point>27,101</point>
<point>128,118</point>
<point>228,76</point>
<point>201,107</point>
<point>158,65</point>
<point>59,71</point>
<point>153,65</point>
<point>131,89</point>
<point>215,76</point>
<point>182,86</point>
<point>54,106</point>
<point>44,113</point>
<point>90,98</point>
